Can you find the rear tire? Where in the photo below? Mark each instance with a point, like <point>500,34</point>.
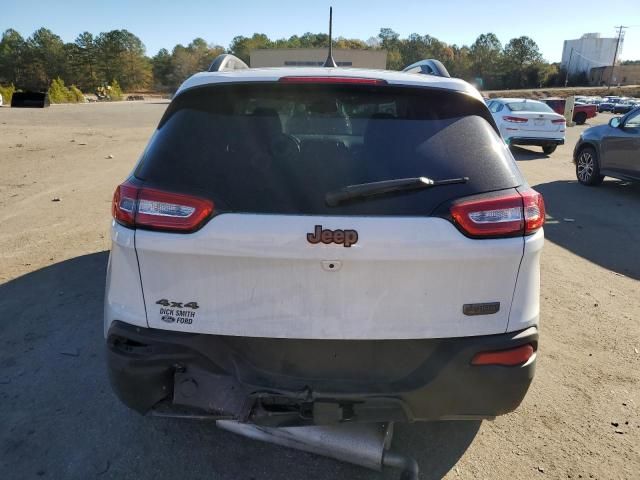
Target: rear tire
<point>549,149</point>
<point>580,118</point>
<point>588,167</point>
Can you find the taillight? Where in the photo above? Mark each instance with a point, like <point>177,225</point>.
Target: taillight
<point>343,80</point>
<point>559,121</point>
<point>507,358</point>
<point>514,214</point>
<point>159,210</point>
<point>508,118</point>
<point>534,212</point>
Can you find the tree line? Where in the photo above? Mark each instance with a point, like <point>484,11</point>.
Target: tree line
<point>118,55</point>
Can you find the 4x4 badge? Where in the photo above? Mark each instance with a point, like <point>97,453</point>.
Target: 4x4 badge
<point>341,237</point>
<point>166,303</point>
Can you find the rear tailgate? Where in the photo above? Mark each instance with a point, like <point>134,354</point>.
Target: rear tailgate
<point>258,275</point>
<point>276,261</point>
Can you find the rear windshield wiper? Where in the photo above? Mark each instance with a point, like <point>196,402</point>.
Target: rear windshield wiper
<point>364,190</point>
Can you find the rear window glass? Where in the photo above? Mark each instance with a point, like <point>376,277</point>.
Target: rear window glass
<point>274,148</point>
<point>529,107</point>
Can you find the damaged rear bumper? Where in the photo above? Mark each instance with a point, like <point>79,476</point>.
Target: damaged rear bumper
<point>287,382</point>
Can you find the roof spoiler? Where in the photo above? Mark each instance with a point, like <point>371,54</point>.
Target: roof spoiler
<point>227,62</point>
<point>429,66</point>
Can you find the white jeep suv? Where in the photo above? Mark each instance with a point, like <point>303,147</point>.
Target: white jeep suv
<point>310,246</point>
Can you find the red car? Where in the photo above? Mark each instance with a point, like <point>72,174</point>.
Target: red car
<point>581,111</point>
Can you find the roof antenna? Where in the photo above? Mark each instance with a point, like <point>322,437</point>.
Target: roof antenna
<point>330,62</point>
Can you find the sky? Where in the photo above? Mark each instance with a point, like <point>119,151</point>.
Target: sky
<point>163,24</point>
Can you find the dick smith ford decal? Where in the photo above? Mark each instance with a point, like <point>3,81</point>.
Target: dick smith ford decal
<point>326,236</point>
<point>177,312</point>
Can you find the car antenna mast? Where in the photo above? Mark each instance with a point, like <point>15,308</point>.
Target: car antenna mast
<point>330,62</point>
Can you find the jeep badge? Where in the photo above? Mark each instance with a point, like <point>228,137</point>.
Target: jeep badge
<point>326,236</point>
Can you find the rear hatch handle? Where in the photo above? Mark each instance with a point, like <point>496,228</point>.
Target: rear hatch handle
<point>365,190</point>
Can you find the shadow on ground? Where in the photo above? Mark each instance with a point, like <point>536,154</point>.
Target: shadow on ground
<point>600,224</point>
<point>59,418</point>
<point>523,154</point>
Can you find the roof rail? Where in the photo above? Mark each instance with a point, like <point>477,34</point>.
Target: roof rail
<point>428,67</point>
<point>227,62</point>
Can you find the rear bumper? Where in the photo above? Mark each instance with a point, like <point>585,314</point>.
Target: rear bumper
<point>540,142</point>
<point>288,382</point>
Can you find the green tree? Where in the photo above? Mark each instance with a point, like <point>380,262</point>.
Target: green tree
<point>162,68</point>
<point>461,64</point>
<point>241,46</point>
<point>486,59</point>
<point>520,55</point>
<point>59,93</point>
<point>120,54</point>
<point>7,93</point>
<point>390,41</point>
<point>45,58</point>
<point>85,60</point>
<point>115,92</point>
<point>417,47</point>
<point>12,47</point>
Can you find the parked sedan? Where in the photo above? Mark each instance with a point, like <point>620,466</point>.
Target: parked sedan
<point>528,122</point>
<point>626,107</point>
<point>609,150</point>
<point>605,106</point>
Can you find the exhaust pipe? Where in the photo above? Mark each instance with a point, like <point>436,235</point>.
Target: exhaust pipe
<point>364,444</point>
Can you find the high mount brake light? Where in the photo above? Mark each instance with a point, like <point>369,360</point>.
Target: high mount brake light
<point>511,119</point>
<point>338,80</point>
<point>158,210</point>
<point>514,214</point>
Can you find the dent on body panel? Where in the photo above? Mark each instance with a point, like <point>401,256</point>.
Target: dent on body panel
<point>525,307</point>
<point>123,295</point>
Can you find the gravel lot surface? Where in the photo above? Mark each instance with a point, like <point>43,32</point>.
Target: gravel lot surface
<point>60,420</point>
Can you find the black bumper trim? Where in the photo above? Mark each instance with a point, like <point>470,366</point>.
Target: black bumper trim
<point>538,142</point>
<point>368,380</point>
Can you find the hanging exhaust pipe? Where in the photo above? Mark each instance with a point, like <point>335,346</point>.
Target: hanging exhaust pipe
<point>363,444</point>
<point>407,464</point>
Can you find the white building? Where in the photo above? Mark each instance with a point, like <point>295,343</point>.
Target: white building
<point>315,57</point>
<point>587,52</point>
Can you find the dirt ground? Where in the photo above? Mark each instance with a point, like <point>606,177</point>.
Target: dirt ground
<point>59,418</point>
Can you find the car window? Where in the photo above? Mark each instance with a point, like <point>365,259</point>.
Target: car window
<point>529,107</point>
<point>633,121</point>
<point>496,107</point>
<point>277,148</point>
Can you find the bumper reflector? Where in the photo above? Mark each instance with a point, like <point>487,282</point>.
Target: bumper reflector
<point>507,358</point>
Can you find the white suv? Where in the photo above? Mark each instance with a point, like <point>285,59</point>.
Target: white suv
<point>308,246</point>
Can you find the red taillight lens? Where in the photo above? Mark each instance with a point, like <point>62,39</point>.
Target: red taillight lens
<point>348,80</point>
<point>123,207</point>
<point>159,210</point>
<point>514,119</point>
<point>559,121</point>
<point>507,358</point>
<point>492,217</point>
<point>503,216</point>
<point>534,212</point>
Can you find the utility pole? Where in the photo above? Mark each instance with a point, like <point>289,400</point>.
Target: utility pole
<point>615,55</point>
<point>566,79</point>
